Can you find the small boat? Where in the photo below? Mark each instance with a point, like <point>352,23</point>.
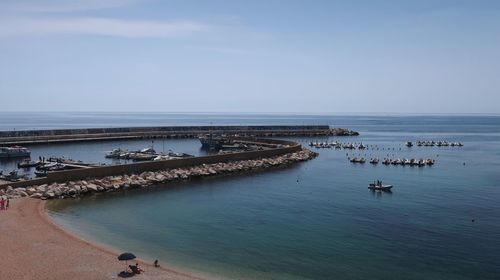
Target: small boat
<point>142,156</point>
<point>12,176</point>
<point>41,173</point>
<point>378,186</point>
<point>115,153</point>
<point>46,166</point>
<point>148,150</point>
<point>374,161</point>
<point>179,155</point>
<point>28,164</point>
<point>409,144</point>
<point>358,160</point>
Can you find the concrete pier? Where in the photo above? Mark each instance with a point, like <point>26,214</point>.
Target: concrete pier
<point>28,137</point>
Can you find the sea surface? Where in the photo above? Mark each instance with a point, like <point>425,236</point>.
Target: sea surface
<point>313,220</point>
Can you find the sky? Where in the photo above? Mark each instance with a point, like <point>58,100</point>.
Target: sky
<point>398,56</point>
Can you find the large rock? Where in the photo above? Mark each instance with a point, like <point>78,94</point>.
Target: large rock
<point>36,195</point>
<point>92,187</point>
<point>23,193</point>
<point>30,190</point>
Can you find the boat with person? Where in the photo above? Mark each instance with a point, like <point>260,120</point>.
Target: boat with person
<point>378,186</point>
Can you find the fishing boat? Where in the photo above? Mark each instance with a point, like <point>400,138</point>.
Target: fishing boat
<point>378,186</point>
<point>214,142</point>
<point>14,152</point>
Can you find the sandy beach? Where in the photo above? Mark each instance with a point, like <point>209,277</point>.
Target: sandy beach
<point>34,247</point>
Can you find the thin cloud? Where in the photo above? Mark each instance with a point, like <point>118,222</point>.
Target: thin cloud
<point>222,50</point>
<point>100,27</point>
<point>56,6</point>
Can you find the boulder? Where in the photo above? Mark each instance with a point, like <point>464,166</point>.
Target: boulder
<point>30,190</point>
<point>36,195</point>
<point>92,187</point>
<point>23,193</point>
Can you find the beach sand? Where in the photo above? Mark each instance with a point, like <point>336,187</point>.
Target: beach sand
<point>32,246</point>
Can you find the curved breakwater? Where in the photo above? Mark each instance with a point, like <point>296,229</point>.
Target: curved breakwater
<point>115,183</point>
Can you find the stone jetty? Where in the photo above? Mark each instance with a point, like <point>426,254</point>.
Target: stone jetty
<point>73,189</point>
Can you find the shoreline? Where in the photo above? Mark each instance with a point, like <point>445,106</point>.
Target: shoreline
<point>35,246</point>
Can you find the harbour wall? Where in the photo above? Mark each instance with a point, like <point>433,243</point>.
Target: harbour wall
<point>283,147</point>
<point>27,137</point>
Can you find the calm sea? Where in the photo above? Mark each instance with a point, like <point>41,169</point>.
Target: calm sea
<point>314,220</point>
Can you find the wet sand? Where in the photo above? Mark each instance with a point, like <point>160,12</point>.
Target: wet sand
<point>34,247</point>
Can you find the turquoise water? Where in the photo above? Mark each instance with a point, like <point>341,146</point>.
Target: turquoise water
<point>317,220</point>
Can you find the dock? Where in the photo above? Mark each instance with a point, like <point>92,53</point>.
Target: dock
<point>30,137</point>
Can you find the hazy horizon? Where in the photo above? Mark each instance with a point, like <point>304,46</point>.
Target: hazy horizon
<point>283,57</point>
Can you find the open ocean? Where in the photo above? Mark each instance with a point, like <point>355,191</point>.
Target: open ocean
<point>313,220</point>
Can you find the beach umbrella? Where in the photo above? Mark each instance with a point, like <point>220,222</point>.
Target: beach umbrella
<point>126,257</point>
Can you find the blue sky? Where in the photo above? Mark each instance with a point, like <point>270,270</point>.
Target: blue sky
<point>250,56</point>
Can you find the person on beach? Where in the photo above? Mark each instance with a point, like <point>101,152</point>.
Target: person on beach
<point>156,263</point>
<point>7,203</point>
<point>1,203</point>
<point>139,269</point>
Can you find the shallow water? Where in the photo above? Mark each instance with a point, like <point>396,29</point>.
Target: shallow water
<point>317,220</point>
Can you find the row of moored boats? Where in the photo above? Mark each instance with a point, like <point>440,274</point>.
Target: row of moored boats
<point>435,143</point>
<point>145,154</point>
<point>338,145</point>
<point>388,161</point>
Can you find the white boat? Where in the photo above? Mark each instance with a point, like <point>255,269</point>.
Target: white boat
<point>378,186</point>
<point>14,152</point>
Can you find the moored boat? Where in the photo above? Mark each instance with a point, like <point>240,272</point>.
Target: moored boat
<point>28,164</point>
<point>41,173</point>
<point>14,152</point>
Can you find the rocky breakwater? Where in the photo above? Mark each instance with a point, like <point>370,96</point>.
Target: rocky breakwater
<point>73,189</point>
<point>342,132</point>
